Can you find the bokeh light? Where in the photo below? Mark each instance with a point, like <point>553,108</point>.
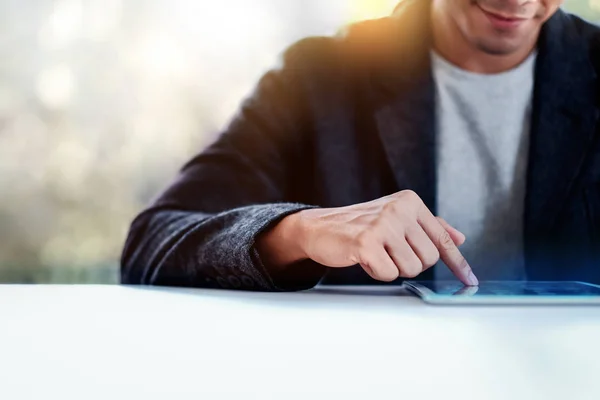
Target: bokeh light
<point>101,101</point>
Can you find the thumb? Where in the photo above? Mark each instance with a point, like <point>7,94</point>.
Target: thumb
<point>457,236</point>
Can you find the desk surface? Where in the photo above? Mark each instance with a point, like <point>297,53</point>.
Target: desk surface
<point>113,342</point>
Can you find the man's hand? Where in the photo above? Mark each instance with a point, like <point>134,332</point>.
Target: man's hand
<point>395,236</point>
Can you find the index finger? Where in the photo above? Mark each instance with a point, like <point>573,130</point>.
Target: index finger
<point>449,253</point>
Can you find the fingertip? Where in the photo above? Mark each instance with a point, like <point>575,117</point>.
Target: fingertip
<point>472,279</point>
<point>465,274</point>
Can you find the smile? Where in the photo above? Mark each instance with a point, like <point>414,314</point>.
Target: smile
<point>502,22</point>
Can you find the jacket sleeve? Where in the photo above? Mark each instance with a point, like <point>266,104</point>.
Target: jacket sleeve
<point>201,231</point>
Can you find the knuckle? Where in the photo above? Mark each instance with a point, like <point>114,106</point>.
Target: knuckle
<point>431,258</point>
<point>411,272</point>
<point>395,210</point>
<point>411,197</point>
<point>411,269</point>
<point>409,194</point>
<point>412,230</point>
<point>398,211</point>
<point>391,207</point>
<point>378,226</point>
<point>385,274</point>
<point>463,265</point>
<point>445,241</point>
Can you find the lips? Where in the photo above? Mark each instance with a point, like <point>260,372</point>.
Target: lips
<point>502,22</point>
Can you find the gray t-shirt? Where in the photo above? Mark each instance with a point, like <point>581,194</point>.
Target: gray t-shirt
<point>483,124</point>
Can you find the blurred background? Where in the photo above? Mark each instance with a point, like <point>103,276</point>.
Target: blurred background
<point>101,101</point>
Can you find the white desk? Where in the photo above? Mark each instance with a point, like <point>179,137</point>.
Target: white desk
<point>111,342</point>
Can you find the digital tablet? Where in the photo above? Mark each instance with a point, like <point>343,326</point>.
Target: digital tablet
<point>506,292</point>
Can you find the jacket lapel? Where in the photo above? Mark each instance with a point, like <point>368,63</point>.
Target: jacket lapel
<point>404,110</point>
<point>563,121</point>
<point>407,130</point>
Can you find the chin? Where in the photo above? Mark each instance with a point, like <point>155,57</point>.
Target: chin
<point>496,49</point>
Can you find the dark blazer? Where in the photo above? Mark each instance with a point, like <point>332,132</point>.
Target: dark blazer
<point>351,118</point>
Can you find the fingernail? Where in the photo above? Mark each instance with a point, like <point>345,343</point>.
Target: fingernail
<point>472,279</point>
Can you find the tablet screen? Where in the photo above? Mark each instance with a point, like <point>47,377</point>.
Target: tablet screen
<point>512,288</point>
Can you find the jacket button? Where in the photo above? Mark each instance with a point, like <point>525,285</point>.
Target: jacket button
<point>247,281</point>
<point>222,282</point>
<point>235,282</point>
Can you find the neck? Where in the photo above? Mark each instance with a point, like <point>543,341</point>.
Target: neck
<point>451,44</point>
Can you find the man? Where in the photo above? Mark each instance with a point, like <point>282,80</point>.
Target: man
<point>481,111</point>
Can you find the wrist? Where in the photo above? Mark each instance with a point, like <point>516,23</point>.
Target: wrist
<point>281,245</point>
<point>293,231</point>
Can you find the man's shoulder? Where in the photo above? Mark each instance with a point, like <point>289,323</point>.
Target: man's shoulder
<point>584,27</point>
<point>587,31</point>
<point>355,45</point>
<point>583,32</point>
